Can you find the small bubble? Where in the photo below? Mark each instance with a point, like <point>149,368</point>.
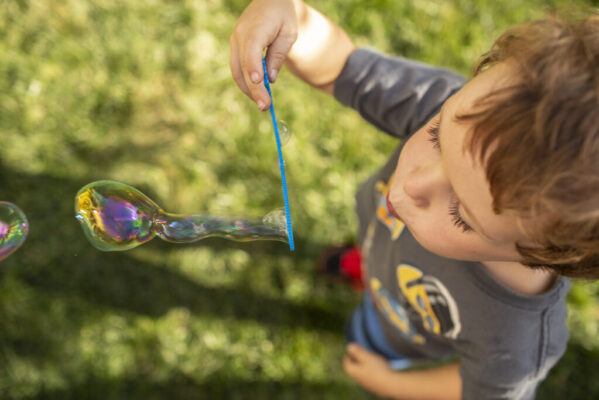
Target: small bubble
<point>13,228</point>
<point>284,132</point>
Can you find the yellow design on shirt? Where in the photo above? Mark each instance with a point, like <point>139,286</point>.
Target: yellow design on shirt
<point>382,212</point>
<point>411,285</point>
<point>394,312</point>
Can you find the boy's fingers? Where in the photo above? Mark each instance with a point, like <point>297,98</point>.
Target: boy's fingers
<point>251,67</point>
<point>356,352</point>
<point>235,66</point>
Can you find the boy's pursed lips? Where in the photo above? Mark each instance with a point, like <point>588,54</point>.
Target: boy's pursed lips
<point>391,209</point>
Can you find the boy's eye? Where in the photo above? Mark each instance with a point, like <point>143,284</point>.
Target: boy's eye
<point>433,131</point>
<point>454,213</point>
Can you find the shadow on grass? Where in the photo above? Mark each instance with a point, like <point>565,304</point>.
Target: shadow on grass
<point>56,262</point>
<point>56,258</point>
<point>125,283</point>
<point>574,378</point>
<point>182,388</point>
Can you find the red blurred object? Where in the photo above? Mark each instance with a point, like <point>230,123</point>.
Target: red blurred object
<point>343,264</point>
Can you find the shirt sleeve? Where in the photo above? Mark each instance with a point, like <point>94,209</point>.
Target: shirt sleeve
<point>394,94</point>
<point>510,364</point>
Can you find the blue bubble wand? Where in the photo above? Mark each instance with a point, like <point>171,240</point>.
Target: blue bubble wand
<point>281,162</point>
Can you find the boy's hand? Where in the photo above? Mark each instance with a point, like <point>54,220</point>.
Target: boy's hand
<point>370,370</point>
<point>264,23</point>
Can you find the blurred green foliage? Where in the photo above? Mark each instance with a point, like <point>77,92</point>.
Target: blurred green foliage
<point>140,92</point>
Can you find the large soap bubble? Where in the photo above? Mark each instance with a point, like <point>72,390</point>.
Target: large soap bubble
<point>115,216</point>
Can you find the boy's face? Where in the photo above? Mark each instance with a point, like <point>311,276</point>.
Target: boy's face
<point>440,191</point>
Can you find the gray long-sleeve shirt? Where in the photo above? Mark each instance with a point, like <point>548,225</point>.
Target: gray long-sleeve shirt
<point>430,306</point>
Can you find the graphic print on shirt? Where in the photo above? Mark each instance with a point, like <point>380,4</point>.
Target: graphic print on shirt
<point>383,214</point>
<point>421,298</point>
<point>394,312</point>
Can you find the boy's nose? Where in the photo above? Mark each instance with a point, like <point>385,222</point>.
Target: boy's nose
<point>423,183</point>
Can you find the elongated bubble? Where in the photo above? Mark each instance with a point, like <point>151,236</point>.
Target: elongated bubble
<point>116,217</point>
<point>13,228</point>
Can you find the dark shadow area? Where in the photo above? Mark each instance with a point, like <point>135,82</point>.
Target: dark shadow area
<point>182,388</point>
<point>57,258</point>
<point>119,281</point>
<point>575,377</point>
<point>562,383</point>
<point>57,262</point>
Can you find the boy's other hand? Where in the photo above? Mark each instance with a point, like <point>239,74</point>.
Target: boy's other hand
<point>264,23</point>
<point>370,370</point>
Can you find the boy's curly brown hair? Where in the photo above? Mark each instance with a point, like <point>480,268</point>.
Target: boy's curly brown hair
<point>539,140</point>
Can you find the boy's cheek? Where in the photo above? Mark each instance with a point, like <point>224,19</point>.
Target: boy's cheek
<point>433,237</point>
<point>446,240</point>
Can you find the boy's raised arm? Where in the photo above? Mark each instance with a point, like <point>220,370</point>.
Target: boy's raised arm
<point>313,47</point>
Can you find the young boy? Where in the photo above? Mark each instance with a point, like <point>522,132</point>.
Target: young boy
<point>470,229</point>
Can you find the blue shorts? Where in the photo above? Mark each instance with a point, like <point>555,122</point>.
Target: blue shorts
<point>365,329</point>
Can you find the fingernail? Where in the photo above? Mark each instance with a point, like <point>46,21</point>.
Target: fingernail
<point>255,77</point>
<point>273,75</point>
<point>261,104</point>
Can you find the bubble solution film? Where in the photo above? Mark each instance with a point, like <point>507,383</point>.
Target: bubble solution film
<point>13,228</point>
<point>115,217</point>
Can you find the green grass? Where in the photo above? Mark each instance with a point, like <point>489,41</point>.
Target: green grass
<point>140,92</point>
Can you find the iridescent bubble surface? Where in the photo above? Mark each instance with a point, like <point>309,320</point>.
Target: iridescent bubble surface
<point>115,216</point>
<point>13,228</point>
